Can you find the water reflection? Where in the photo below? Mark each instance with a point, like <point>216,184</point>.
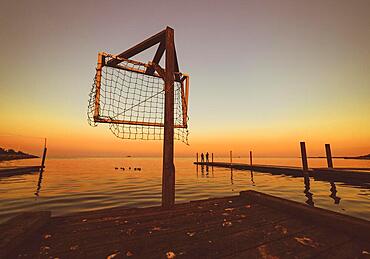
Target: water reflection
<point>75,178</point>
<point>307,192</point>
<point>205,173</point>
<point>252,180</point>
<point>202,172</point>
<point>39,183</point>
<point>231,177</point>
<point>333,193</point>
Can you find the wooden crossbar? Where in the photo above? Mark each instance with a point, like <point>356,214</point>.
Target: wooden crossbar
<point>157,57</point>
<point>142,123</point>
<point>155,39</point>
<point>151,66</point>
<point>98,84</point>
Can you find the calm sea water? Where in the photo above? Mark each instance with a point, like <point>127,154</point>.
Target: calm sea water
<point>84,184</point>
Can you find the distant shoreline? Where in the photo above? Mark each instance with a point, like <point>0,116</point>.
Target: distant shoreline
<point>364,157</point>
<point>10,154</point>
<point>16,157</point>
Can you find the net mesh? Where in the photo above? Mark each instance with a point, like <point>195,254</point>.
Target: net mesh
<point>135,97</point>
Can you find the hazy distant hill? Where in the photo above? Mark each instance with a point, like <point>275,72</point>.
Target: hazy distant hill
<point>10,154</point>
<point>365,157</point>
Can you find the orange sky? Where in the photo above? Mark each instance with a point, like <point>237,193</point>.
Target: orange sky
<point>264,75</point>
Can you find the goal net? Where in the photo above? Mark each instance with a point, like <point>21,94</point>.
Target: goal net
<point>131,100</point>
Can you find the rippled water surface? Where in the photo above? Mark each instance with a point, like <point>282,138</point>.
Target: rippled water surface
<point>83,184</point>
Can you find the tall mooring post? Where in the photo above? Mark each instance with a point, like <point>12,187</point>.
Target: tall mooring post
<point>168,176</point>
<point>250,158</point>
<point>328,156</point>
<point>304,156</point>
<point>231,157</point>
<point>212,158</point>
<point>43,157</point>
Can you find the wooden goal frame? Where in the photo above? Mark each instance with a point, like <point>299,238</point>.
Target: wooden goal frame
<point>152,69</point>
<point>170,74</point>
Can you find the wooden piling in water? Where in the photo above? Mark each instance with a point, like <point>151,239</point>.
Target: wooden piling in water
<point>197,157</point>
<point>304,156</point>
<point>43,157</point>
<point>212,157</point>
<point>328,156</point>
<point>231,157</point>
<point>250,158</point>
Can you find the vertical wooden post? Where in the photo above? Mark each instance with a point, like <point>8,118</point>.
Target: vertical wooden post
<point>328,156</point>
<point>250,158</point>
<point>184,101</point>
<point>197,157</point>
<point>231,157</point>
<point>43,157</point>
<point>168,176</point>
<point>304,156</point>
<point>212,157</point>
<point>101,61</point>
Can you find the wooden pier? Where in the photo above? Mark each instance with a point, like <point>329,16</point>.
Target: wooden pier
<point>18,170</point>
<point>352,175</point>
<point>250,225</point>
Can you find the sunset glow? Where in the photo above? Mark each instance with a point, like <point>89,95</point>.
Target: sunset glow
<point>263,77</point>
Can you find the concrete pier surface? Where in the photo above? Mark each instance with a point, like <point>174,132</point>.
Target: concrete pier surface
<point>249,225</point>
<point>347,175</point>
<point>18,170</point>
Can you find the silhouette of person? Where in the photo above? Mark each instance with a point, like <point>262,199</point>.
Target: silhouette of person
<point>207,157</point>
<point>202,158</point>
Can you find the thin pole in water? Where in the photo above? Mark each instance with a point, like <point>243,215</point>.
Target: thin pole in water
<point>250,158</point>
<point>304,156</point>
<point>43,156</point>
<point>328,156</point>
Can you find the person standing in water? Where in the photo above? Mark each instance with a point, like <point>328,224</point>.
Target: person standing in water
<point>207,157</point>
<point>202,158</point>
